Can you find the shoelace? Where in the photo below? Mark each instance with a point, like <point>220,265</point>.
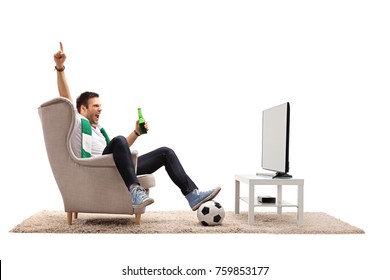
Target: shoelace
<point>140,192</point>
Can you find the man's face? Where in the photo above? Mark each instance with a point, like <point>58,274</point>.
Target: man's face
<point>92,112</point>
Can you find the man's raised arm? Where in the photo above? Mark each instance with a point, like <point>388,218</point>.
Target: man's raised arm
<point>59,59</point>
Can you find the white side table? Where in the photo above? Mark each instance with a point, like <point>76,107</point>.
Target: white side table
<point>252,180</point>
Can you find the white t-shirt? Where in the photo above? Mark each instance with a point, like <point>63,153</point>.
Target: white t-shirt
<point>98,140</point>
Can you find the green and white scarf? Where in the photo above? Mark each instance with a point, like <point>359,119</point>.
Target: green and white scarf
<point>86,138</point>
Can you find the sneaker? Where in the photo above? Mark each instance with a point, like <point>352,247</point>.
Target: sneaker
<point>196,198</point>
<point>139,197</point>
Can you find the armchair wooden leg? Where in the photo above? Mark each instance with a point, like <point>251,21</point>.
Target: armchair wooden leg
<point>69,218</point>
<point>75,215</point>
<point>137,219</point>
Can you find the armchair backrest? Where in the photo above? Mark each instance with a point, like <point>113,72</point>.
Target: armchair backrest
<point>57,118</point>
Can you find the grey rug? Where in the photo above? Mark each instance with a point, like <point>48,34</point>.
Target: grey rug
<point>184,222</point>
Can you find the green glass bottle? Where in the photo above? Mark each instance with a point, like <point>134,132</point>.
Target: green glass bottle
<point>141,122</point>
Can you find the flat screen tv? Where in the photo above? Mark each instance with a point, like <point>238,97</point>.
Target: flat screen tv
<point>276,140</point>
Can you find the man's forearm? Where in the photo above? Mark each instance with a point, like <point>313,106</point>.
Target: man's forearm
<point>63,87</point>
<point>131,138</point>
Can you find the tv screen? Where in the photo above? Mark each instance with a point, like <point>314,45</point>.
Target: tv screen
<point>275,140</point>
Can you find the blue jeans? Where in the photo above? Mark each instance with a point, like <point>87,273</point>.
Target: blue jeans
<point>148,164</point>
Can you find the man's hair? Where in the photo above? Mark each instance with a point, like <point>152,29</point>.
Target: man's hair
<point>83,99</point>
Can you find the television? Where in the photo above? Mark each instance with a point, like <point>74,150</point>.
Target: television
<point>276,141</point>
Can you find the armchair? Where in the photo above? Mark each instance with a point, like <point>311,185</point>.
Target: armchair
<point>87,185</point>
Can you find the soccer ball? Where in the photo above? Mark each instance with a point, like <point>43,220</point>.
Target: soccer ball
<point>211,213</point>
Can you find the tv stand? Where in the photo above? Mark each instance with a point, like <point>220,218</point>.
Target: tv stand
<point>252,180</point>
<point>281,175</point>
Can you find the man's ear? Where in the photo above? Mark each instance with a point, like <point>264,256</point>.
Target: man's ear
<point>83,110</point>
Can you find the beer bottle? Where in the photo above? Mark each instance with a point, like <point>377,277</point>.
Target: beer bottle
<point>141,122</point>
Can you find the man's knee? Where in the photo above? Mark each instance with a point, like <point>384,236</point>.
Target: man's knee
<point>119,142</point>
<point>166,151</point>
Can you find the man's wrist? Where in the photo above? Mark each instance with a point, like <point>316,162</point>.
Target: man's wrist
<point>136,133</point>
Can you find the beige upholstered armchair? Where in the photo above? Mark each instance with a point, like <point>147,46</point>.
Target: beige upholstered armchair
<point>90,185</point>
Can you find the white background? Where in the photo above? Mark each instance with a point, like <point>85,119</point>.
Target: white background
<point>203,71</point>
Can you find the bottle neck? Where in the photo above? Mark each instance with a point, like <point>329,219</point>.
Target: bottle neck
<point>140,114</point>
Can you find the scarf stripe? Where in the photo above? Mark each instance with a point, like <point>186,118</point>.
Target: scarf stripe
<point>86,138</point>
<point>103,131</point>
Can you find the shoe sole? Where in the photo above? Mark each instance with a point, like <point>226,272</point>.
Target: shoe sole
<point>210,197</point>
<point>144,204</point>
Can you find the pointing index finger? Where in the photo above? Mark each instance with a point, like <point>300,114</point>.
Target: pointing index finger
<point>61,48</point>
